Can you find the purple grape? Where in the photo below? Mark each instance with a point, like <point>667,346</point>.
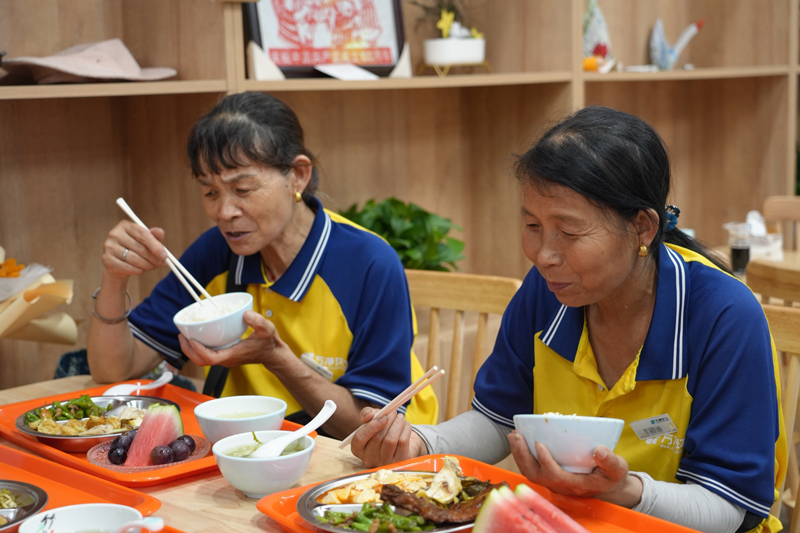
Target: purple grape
<point>122,441</point>
<point>180,450</point>
<point>117,456</point>
<point>189,441</point>
<point>161,455</point>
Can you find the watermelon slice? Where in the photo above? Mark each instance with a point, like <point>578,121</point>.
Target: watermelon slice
<point>503,513</point>
<point>161,425</point>
<point>554,516</point>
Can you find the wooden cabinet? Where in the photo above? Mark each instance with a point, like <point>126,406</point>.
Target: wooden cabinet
<point>66,152</point>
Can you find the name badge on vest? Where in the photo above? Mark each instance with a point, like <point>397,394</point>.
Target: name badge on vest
<point>655,426</point>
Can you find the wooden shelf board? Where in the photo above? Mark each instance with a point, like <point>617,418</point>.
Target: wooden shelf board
<point>416,82</point>
<point>697,74</point>
<point>82,90</point>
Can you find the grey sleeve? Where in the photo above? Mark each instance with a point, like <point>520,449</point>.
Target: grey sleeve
<point>470,434</point>
<point>689,505</point>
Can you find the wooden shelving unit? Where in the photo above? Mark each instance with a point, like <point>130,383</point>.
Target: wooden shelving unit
<point>66,152</point>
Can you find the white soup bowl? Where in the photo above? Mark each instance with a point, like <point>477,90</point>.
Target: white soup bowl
<point>570,439</point>
<point>270,412</point>
<point>83,517</point>
<point>219,330</point>
<point>258,476</point>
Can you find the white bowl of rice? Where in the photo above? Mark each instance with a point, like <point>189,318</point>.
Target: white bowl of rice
<point>204,322</point>
<point>571,439</point>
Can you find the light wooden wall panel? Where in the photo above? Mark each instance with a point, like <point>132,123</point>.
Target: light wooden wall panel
<point>726,156</point>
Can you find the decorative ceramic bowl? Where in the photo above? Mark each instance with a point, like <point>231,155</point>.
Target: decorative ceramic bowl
<point>203,322</point>
<point>570,439</point>
<point>224,417</point>
<point>258,476</point>
<point>84,517</point>
<point>454,51</point>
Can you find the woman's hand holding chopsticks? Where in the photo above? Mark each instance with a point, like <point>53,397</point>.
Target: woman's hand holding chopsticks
<point>385,439</point>
<point>145,250</point>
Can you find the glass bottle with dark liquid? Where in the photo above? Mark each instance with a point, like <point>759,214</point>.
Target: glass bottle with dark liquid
<point>739,241</point>
<point>739,259</point>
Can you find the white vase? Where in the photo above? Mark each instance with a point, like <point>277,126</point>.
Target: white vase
<point>454,51</point>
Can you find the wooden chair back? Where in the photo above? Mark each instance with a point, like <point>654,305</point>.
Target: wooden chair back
<point>785,209</point>
<point>461,293</point>
<point>784,324</point>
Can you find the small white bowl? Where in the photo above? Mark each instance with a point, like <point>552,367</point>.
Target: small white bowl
<point>219,331</point>
<point>259,476</point>
<point>216,428</point>
<point>84,517</point>
<point>570,439</point>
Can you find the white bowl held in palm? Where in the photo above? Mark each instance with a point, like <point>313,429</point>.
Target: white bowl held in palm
<point>454,51</point>
<point>224,417</point>
<point>84,517</point>
<point>570,439</point>
<point>203,322</point>
<point>258,476</point>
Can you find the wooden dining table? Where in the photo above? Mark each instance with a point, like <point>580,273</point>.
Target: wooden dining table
<point>204,502</point>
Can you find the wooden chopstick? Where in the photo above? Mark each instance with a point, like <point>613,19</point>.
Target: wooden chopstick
<point>430,376</point>
<point>172,262</point>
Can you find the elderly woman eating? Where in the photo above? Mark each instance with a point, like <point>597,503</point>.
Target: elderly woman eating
<point>622,316</point>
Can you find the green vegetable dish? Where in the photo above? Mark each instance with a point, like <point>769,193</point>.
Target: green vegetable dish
<point>376,518</point>
<point>74,409</point>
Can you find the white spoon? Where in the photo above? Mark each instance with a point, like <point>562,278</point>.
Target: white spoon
<point>152,523</point>
<point>126,389</point>
<point>274,447</point>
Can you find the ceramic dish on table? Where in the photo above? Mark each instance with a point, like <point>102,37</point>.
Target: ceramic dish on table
<point>76,443</point>
<point>98,455</point>
<point>31,499</point>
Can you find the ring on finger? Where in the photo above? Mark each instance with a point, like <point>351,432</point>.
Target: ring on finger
<point>125,255</point>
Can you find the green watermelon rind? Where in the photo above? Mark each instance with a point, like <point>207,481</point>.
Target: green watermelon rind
<point>143,442</point>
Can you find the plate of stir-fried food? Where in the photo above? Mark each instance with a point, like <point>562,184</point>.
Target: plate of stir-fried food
<point>392,501</point>
<point>18,501</point>
<point>78,424</point>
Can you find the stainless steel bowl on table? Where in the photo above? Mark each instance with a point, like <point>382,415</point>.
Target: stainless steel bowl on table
<point>76,444</point>
<point>33,500</point>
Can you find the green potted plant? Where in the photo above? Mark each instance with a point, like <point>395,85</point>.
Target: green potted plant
<point>418,236</point>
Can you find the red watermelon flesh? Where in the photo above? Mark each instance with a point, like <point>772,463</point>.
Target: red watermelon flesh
<point>161,425</point>
<point>552,514</point>
<point>500,513</point>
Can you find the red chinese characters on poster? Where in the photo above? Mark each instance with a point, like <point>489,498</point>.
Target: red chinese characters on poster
<point>317,32</point>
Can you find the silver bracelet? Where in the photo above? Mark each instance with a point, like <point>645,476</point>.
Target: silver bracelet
<point>112,320</point>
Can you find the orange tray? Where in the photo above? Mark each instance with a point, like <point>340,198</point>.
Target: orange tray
<point>183,397</point>
<point>594,515</point>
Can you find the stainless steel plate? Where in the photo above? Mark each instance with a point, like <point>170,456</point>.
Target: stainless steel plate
<point>84,444</point>
<point>309,509</point>
<point>18,488</point>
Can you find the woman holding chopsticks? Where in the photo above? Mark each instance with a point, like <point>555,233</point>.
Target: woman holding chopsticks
<point>623,316</point>
<point>332,316</point>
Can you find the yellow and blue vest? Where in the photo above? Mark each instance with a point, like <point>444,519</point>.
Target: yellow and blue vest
<point>343,303</point>
<point>708,362</point>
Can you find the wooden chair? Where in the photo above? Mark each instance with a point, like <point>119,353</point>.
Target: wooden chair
<point>784,324</point>
<point>784,209</point>
<point>774,280</point>
<point>462,293</point>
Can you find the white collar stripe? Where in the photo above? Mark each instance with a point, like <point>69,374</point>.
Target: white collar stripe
<point>308,275</point>
<point>377,398</point>
<point>683,305</point>
<point>675,346</point>
<point>154,344</point>
<point>554,326</point>
<point>491,414</point>
<point>709,482</point>
<point>239,270</point>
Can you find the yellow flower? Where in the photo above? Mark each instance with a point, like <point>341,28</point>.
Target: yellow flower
<point>445,22</point>
<point>475,33</point>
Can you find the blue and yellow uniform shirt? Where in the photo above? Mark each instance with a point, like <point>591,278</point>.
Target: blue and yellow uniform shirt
<point>708,362</point>
<point>343,303</point>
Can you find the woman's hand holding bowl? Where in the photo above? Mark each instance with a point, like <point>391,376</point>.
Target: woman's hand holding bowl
<point>609,481</point>
<point>388,439</point>
<point>145,250</point>
<point>263,346</point>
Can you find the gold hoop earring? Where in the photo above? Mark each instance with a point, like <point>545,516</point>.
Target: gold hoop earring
<point>643,251</point>
<point>298,197</point>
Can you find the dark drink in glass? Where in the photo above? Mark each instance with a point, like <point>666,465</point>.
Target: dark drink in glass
<point>739,259</point>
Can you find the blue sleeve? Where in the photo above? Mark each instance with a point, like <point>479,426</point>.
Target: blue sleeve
<point>504,385</point>
<point>151,321</point>
<point>730,445</point>
<point>379,316</point>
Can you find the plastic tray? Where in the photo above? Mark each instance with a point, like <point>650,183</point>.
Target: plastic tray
<point>594,515</point>
<point>183,397</point>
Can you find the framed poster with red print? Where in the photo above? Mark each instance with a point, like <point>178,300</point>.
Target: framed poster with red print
<point>298,35</point>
